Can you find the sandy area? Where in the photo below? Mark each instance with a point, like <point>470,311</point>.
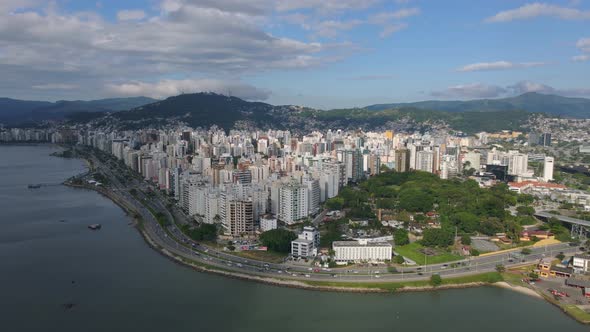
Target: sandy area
<point>520,289</point>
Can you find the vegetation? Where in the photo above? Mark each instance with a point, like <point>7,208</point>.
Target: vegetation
<point>278,240</point>
<point>401,237</point>
<point>466,240</point>
<point>488,278</point>
<point>204,232</point>
<point>414,251</point>
<point>461,204</point>
<point>435,280</point>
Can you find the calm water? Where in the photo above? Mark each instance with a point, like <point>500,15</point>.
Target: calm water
<point>120,284</point>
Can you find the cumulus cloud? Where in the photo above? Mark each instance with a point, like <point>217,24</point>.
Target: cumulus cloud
<point>371,77</point>
<point>130,15</point>
<point>222,38</point>
<point>384,17</point>
<point>581,58</point>
<point>474,90</point>
<point>480,90</point>
<point>390,29</point>
<point>537,9</point>
<point>55,86</point>
<point>498,65</point>
<point>167,88</point>
<point>584,45</point>
<point>528,86</point>
<point>332,28</point>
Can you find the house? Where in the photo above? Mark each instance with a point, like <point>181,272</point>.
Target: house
<point>548,269</point>
<point>307,243</point>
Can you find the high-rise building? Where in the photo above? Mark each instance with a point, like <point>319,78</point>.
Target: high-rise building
<point>425,161</point>
<point>548,169</point>
<point>239,218</point>
<point>402,160</point>
<point>293,202</point>
<point>518,163</point>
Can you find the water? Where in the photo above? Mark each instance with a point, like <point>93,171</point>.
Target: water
<point>118,283</point>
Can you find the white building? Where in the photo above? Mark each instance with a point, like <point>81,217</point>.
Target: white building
<point>307,243</point>
<point>425,161</point>
<point>293,203</point>
<point>361,250</point>
<point>581,263</point>
<point>548,169</point>
<point>268,223</point>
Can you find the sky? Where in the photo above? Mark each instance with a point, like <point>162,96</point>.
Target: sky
<point>317,53</point>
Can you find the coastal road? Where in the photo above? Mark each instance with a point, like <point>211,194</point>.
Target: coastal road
<point>174,241</point>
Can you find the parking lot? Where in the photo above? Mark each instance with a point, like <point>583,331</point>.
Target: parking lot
<point>569,295</point>
<point>484,245</point>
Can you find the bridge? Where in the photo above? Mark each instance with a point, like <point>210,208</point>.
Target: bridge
<point>580,228</point>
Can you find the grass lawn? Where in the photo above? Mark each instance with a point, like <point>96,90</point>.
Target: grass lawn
<point>489,277</point>
<point>266,256</point>
<point>577,313</point>
<point>412,251</point>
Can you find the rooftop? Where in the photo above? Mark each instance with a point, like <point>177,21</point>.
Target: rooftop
<point>359,244</point>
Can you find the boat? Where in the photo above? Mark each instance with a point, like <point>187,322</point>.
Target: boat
<point>95,227</point>
<point>34,186</point>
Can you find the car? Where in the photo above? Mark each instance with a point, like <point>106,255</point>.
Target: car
<point>420,273</point>
<point>310,269</point>
<point>377,276</point>
<point>419,269</point>
<point>307,276</point>
<point>582,249</point>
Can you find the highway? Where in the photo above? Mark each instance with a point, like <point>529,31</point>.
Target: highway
<point>173,240</point>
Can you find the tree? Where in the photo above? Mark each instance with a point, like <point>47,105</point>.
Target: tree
<point>474,252</point>
<point>466,240</point>
<point>560,256</point>
<point>399,259</point>
<point>278,240</point>
<point>435,280</point>
<point>525,251</point>
<point>335,203</point>
<point>438,237</point>
<point>401,237</point>
<point>500,268</point>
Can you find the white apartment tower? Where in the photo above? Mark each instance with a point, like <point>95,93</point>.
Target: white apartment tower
<point>548,169</point>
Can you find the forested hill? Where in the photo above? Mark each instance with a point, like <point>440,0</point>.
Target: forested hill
<point>530,102</point>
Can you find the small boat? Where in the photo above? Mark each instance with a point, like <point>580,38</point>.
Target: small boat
<point>95,227</point>
<point>34,186</point>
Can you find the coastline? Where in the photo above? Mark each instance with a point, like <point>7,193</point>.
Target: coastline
<point>397,287</point>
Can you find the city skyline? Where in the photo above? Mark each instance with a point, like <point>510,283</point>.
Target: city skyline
<point>323,54</point>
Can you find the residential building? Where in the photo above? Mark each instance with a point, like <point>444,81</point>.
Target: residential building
<point>362,251</point>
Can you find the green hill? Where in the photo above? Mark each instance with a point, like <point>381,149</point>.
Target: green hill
<point>530,102</point>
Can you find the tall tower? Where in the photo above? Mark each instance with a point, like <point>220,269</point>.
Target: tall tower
<point>548,169</point>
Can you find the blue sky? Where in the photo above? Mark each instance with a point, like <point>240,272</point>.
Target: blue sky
<point>318,53</point>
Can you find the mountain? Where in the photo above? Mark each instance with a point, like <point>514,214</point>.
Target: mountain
<point>530,102</point>
<point>14,111</point>
<point>207,109</point>
<point>201,109</point>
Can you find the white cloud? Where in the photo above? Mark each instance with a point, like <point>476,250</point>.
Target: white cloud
<point>390,29</point>
<point>537,9</point>
<point>384,17</point>
<point>481,90</point>
<point>498,65</point>
<point>528,86</point>
<point>167,88</point>
<point>130,15</point>
<point>474,90</point>
<point>371,77</point>
<point>324,6</point>
<point>332,28</point>
<point>584,45</point>
<point>55,86</point>
<point>581,58</point>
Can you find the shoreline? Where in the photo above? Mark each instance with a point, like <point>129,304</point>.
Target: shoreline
<point>200,267</point>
